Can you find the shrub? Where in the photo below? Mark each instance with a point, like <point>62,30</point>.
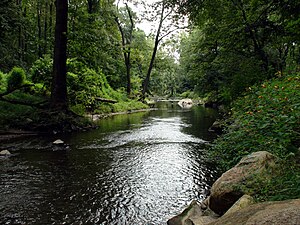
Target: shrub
<point>129,105</point>
<point>266,118</point>
<point>41,71</point>
<point>16,78</point>
<point>85,85</point>
<point>3,83</point>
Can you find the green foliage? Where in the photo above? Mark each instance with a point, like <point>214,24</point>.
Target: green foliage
<point>86,85</point>
<point>3,83</point>
<point>283,182</point>
<point>189,94</point>
<point>236,44</point>
<point>266,118</point>
<point>41,71</point>
<point>16,78</point>
<point>15,115</point>
<point>79,109</point>
<point>128,106</point>
<point>164,81</point>
<point>94,40</point>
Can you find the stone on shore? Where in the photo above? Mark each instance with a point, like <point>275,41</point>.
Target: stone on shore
<point>243,202</point>
<point>226,197</point>
<point>267,213</point>
<point>227,189</point>
<point>192,215</point>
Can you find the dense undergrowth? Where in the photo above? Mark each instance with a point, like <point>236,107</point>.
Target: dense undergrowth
<point>266,118</point>
<point>30,93</point>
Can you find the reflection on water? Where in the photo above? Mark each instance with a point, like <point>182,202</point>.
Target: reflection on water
<point>135,169</point>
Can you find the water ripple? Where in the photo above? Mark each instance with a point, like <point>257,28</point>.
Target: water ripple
<point>141,175</point>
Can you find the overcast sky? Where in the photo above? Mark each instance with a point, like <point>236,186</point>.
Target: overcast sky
<point>139,9</point>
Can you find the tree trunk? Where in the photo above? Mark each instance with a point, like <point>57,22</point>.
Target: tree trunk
<point>147,79</point>
<point>157,40</point>
<point>20,47</point>
<point>51,18</point>
<point>46,27</point>
<point>126,47</point>
<point>59,82</point>
<point>38,10</point>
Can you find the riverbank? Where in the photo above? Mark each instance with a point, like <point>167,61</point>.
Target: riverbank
<point>231,200</point>
<point>96,117</point>
<point>265,119</point>
<point>78,123</point>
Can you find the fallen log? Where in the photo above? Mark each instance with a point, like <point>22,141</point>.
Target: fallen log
<point>105,100</point>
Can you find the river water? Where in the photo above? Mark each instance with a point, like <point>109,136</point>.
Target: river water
<point>141,168</point>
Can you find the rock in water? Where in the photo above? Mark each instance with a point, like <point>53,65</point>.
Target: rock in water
<point>58,142</point>
<point>185,103</point>
<point>5,152</point>
<point>192,215</point>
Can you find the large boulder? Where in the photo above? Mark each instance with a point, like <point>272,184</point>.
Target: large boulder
<point>227,189</point>
<point>267,213</point>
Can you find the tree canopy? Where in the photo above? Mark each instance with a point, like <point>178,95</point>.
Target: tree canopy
<point>236,43</point>
<point>229,46</point>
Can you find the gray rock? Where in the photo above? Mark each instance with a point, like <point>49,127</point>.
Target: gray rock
<point>5,152</point>
<point>192,215</point>
<point>58,142</point>
<point>227,189</point>
<point>243,202</point>
<point>267,213</point>
<point>186,103</point>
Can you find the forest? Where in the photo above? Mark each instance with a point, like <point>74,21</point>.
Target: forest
<point>60,60</point>
<point>77,53</point>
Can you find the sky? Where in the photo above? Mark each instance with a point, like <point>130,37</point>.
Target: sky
<point>151,27</point>
<point>138,8</point>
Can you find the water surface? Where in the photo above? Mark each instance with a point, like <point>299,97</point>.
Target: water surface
<point>135,169</point>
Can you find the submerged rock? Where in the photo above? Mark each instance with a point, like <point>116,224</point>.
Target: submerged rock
<point>227,189</point>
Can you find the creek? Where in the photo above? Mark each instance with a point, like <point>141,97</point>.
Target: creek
<point>140,168</point>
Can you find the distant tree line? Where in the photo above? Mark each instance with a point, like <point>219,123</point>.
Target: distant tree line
<point>236,43</point>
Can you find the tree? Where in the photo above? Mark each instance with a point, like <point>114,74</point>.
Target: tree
<point>165,14</point>
<point>59,82</point>
<point>239,42</point>
<point>126,34</point>
<point>94,39</point>
<point>164,79</point>
<point>9,30</point>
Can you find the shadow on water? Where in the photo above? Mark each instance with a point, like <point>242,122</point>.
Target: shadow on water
<point>141,168</point>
